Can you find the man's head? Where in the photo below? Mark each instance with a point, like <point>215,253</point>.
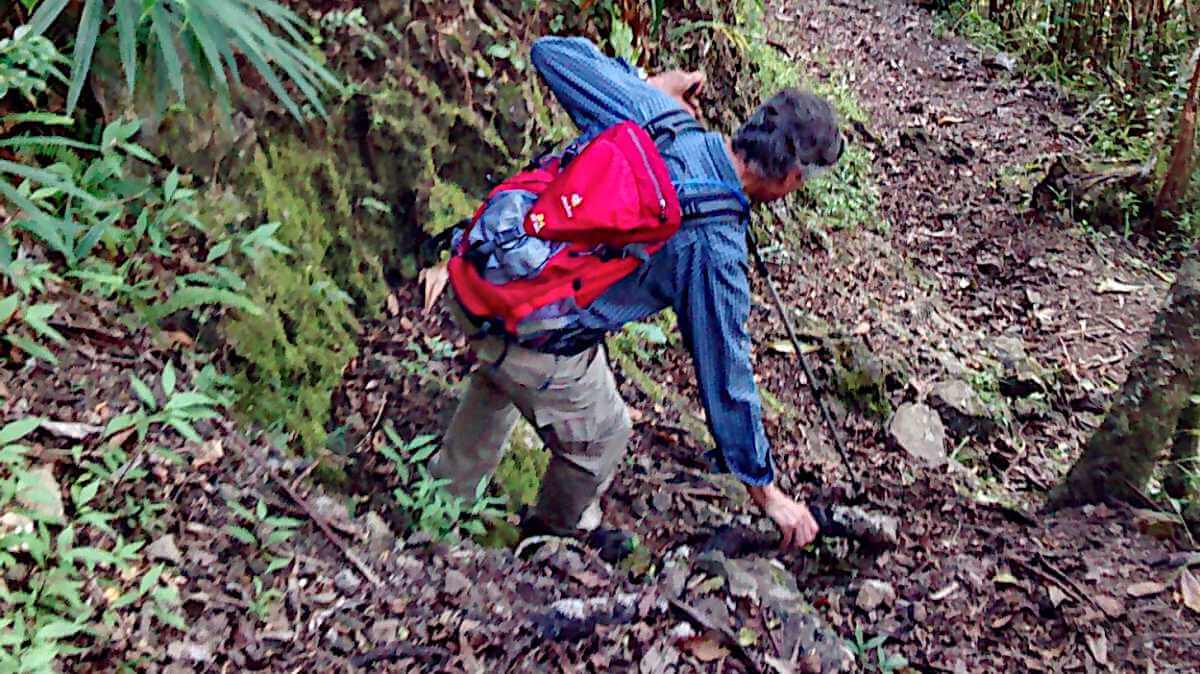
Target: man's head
<point>789,139</point>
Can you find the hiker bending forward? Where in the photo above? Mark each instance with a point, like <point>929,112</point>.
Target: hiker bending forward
<point>553,370</point>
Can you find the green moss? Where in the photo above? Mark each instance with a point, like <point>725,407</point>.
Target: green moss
<point>448,204</point>
<point>519,476</point>
<point>289,360</point>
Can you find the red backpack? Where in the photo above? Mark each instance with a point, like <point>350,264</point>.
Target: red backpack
<point>607,207</point>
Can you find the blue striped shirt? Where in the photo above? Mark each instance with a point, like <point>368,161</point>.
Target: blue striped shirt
<point>701,272</point>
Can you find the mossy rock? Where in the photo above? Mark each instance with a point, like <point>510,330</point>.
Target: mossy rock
<point>862,377</point>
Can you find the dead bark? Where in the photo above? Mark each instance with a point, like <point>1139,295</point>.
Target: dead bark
<point>1179,169</point>
<point>1121,456</point>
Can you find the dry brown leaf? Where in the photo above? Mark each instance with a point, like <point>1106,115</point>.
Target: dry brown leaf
<point>118,439</point>
<point>1145,588</point>
<point>706,650</point>
<point>1056,596</point>
<point>434,281</point>
<point>1098,645</point>
<point>393,304</point>
<point>1111,606</point>
<point>1190,588</point>
<point>72,430</point>
<point>209,452</point>
<point>589,579</point>
<point>944,592</point>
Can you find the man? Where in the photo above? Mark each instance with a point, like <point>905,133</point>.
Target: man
<point>561,382</point>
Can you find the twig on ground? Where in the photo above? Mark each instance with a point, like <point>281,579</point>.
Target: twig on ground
<point>395,650</point>
<point>325,529</point>
<point>727,635</point>
<point>374,424</point>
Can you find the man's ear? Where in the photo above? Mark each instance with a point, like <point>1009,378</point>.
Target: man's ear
<point>795,179</point>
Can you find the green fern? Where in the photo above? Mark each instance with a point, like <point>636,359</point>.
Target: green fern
<point>156,32</point>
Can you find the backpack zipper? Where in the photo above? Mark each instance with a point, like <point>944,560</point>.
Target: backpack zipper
<point>662,201</point>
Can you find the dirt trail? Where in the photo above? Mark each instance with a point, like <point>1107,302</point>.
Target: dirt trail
<point>968,283</point>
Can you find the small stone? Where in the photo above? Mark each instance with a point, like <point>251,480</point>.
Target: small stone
<point>384,631</point>
<point>874,593</point>
<point>958,395</point>
<point>918,430</point>
<point>1008,349</point>
<point>190,651</point>
<point>456,582</point>
<point>347,582</point>
<point>1000,61</point>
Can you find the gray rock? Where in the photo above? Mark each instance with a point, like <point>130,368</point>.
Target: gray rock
<point>1000,61</point>
<point>874,593</point>
<point>1008,349</point>
<point>456,582</point>
<point>961,409</point>
<point>164,550</point>
<point>347,582</point>
<point>190,651</point>
<point>918,430</point>
<point>384,631</point>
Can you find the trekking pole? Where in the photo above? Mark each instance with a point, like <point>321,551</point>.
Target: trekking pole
<point>813,384</point>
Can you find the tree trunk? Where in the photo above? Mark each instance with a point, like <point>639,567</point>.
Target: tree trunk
<point>1179,169</point>
<point>1121,456</point>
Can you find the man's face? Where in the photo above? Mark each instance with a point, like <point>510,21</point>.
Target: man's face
<point>770,190</point>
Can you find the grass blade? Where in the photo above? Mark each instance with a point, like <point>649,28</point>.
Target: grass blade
<point>209,46</point>
<point>21,142</point>
<point>164,30</point>
<point>47,118</point>
<point>85,45</point>
<point>45,15</point>
<point>128,17</point>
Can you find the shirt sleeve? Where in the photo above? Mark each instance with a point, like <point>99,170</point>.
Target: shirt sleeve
<point>596,90</point>
<point>713,304</point>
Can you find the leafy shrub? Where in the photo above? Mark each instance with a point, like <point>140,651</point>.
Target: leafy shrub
<point>51,563</point>
<point>425,500</point>
<point>288,359</point>
<point>28,64</point>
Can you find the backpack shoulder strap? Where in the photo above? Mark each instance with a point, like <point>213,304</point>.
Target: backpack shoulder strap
<point>664,128</point>
<point>702,199</point>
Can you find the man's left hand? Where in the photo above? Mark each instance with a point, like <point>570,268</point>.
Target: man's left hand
<point>682,86</point>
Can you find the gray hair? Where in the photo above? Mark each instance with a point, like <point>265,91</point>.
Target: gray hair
<point>792,130</point>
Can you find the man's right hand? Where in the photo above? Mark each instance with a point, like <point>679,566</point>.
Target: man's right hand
<point>680,85</point>
<point>796,524</point>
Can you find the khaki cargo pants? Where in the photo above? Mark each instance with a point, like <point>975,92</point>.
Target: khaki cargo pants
<point>572,401</point>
